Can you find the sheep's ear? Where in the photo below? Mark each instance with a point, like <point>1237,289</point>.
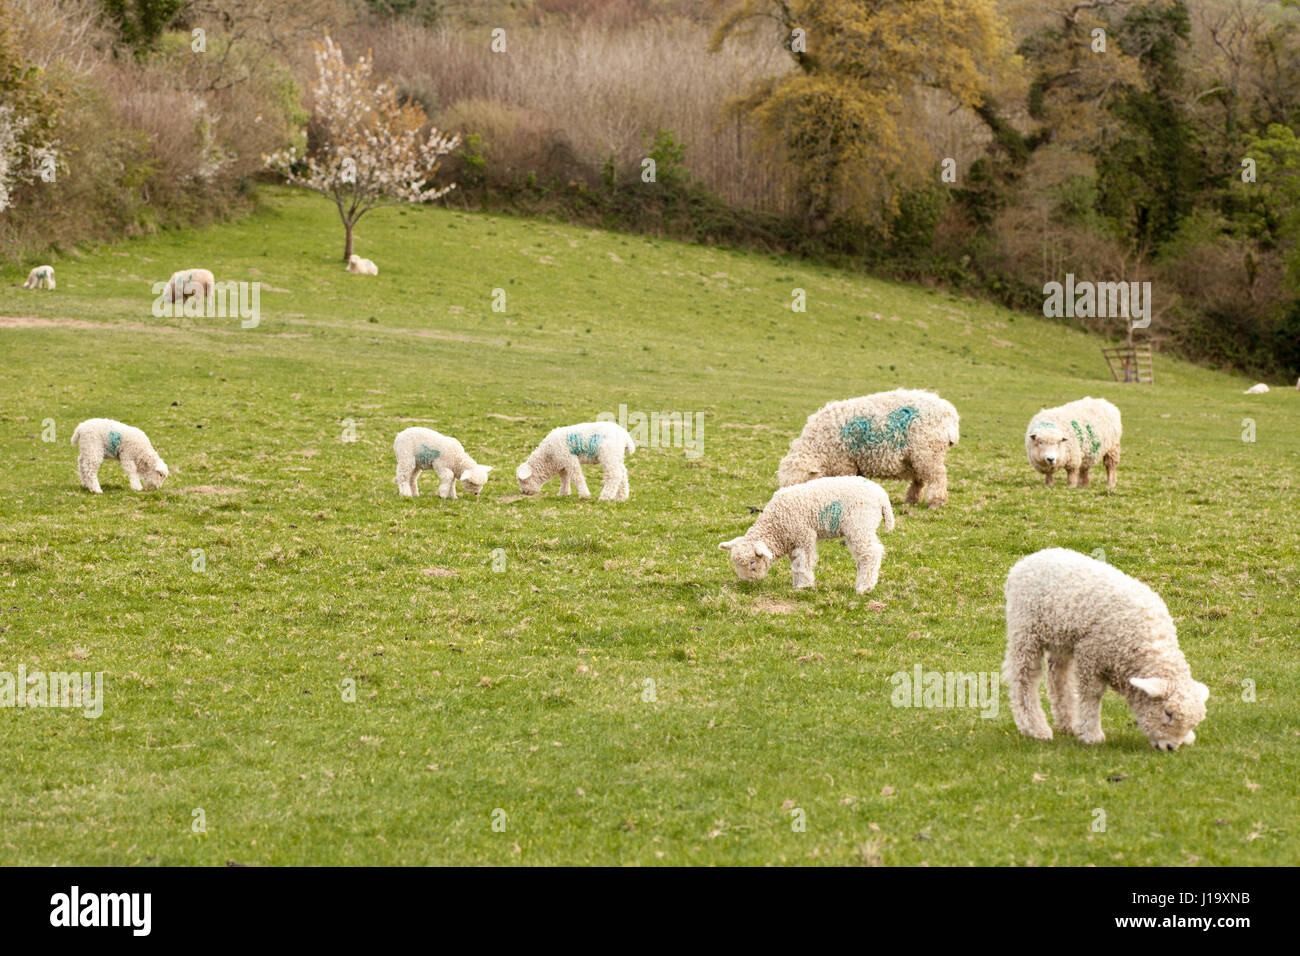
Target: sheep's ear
<point>1151,686</point>
<point>523,472</point>
<point>162,468</point>
<point>1202,692</point>
<point>728,545</point>
<point>464,475</point>
<point>763,551</point>
<point>487,468</point>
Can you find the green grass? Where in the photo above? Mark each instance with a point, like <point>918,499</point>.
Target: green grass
<point>524,690</point>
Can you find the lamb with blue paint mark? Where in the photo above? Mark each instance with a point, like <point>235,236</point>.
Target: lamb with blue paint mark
<point>1074,437</point>
<point>42,277</point>
<point>100,438</point>
<point>796,518</point>
<point>423,449</point>
<point>564,451</point>
<point>901,434</point>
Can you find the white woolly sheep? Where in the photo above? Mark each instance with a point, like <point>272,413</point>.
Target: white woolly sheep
<point>423,449</point>
<point>42,277</point>
<point>901,434</point>
<point>1098,627</point>
<point>101,438</point>
<point>362,266</point>
<point>1075,437</point>
<point>799,516</point>
<point>1259,389</point>
<point>187,283</point>
<point>563,452</point>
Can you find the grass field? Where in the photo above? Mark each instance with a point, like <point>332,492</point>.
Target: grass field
<point>614,695</point>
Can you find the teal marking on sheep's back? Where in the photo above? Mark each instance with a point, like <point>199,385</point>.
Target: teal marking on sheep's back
<point>863,432</point>
<point>828,519</point>
<point>43,274</point>
<point>426,456</point>
<point>1090,446</point>
<point>1040,427</point>
<point>114,442</point>
<point>583,448</point>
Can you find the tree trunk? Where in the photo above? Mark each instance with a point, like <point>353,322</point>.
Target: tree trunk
<point>347,244</point>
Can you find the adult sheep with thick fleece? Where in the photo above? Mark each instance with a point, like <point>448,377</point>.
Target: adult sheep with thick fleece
<point>796,518</point>
<point>362,266</point>
<point>1074,437</point>
<point>901,434</point>
<point>42,277</point>
<point>423,449</point>
<point>1097,627</point>
<point>100,438</point>
<point>188,283</point>
<point>564,450</point>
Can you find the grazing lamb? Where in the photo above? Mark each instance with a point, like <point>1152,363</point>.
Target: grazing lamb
<point>900,434</point>
<point>42,277</point>
<point>563,452</point>
<point>362,266</point>
<point>1259,389</point>
<point>1098,627</point>
<point>101,438</point>
<point>799,516</point>
<point>187,283</point>
<point>1075,437</point>
<point>423,449</point>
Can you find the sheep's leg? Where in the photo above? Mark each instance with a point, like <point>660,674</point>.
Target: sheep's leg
<point>931,476</point>
<point>868,553</point>
<point>564,482</point>
<point>1071,478</point>
<point>1087,720</point>
<point>1060,691</point>
<point>88,463</point>
<point>1051,478</point>
<point>613,477</point>
<point>1111,461</point>
<point>1022,669</point>
<point>624,489</point>
<point>580,482</point>
<point>132,474</point>
<point>914,491</point>
<point>446,484</point>
<point>803,562</point>
<point>1084,478</point>
<point>405,480</point>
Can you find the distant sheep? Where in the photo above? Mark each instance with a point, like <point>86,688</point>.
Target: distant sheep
<point>1259,389</point>
<point>423,449</point>
<point>188,283</point>
<point>362,266</point>
<point>1098,627</point>
<point>901,434</point>
<point>563,452</point>
<point>42,277</point>
<point>101,438</point>
<point>1074,437</point>
<point>796,518</point>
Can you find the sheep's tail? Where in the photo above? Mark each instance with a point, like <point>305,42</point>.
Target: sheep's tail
<point>887,515</point>
<point>76,435</point>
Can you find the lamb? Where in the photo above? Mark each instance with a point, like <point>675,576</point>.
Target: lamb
<point>362,266</point>
<point>796,518</point>
<point>187,283</point>
<point>1075,437</point>
<point>42,277</point>
<point>901,434</point>
<point>423,449</point>
<point>1098,627</point>
<point>1258,389</point>
<point>101,438</point>
<point>565,449</point>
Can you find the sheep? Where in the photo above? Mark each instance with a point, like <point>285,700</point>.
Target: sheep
<point>423,449</point>
<point>1258,389</point>
<point>187,283</point>
<point>42,277</point>
<point>900,434</point>
<point>1098,627</point>
<point>101,438</point>
<point>1075,437</point>
<point>362,266</point>
<point>564,450</point>
<point>796,518</point>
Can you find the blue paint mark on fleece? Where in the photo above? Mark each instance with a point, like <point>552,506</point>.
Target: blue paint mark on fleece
<point>1090,448</point>
<point>863,432</point>
<point>828,519</point>
<point>581,448</point>
<point>114,442</point>
<point>424,458</point>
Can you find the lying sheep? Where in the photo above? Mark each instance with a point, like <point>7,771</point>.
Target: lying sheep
<point>362,266</point>
<point>101,438</point>
<point>799,516</point>
<point>42,277</point>
<point>423,449</point>
<point>188,283</point>
<point>1098,627</point>
<point>1075,437</point>
<point>900,434</point>
<point>1258,389</point>
<point>563,452</point>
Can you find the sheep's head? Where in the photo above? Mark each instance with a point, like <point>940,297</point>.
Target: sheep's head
<point>473,479</point>
<point>1047,445</point>
<point>796,468</point>
<point>530,483</point>
<point>154,476</point>
<point>1168,710</point>
<point>751,559</point>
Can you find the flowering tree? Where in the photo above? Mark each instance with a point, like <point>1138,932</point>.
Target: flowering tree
<point>365,149</point>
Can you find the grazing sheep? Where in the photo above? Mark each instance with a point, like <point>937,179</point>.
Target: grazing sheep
<point>796,518</point>
<point>42,277</point>
<point>1259,389</point>
<point>900,434</point>
<point>188,283</point>
<point>101,438</point>
<point>564,450</point>
<point>362,266</point>
<point>1098,627</point>
<point>1075,437</point>
<point>423,449</point>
